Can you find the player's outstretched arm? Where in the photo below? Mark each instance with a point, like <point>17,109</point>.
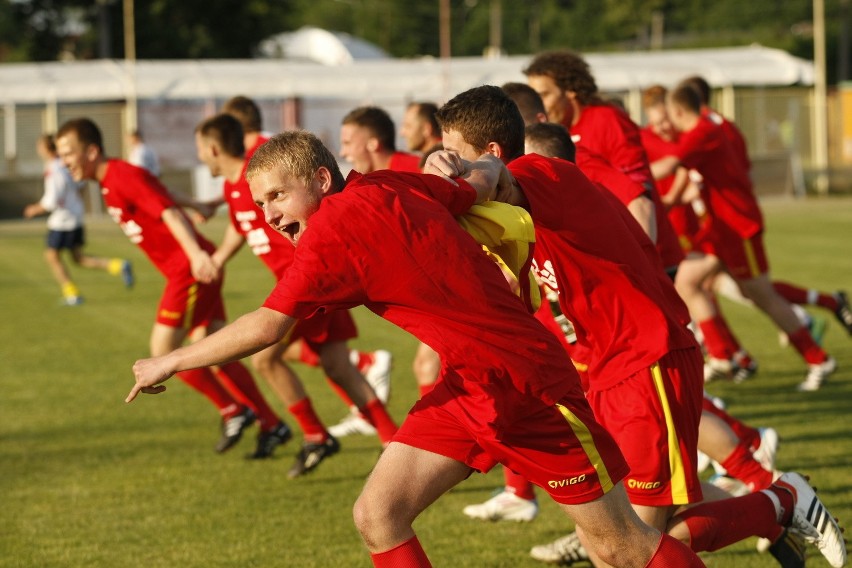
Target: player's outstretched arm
<point>485,175</point>
<point>232,242</point>
<point>247,335</point>
<point>202,266</point>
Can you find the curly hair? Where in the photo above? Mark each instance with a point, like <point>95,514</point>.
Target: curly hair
<point>568,70</point>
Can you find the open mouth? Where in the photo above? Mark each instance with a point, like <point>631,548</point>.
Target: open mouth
<point>291,229</point>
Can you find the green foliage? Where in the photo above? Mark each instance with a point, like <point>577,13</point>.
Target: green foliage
<point>87,480</point>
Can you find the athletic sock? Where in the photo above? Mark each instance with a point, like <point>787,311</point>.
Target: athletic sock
<point>308,356</point>
<point>425,389</point>
<point>672,553</point>
<point>802,341</point>
<point>805,296</point>
<point>311,425</point>
<point>238,379</point>
<point>742,465</point>
<point>744,432</point>
<point>409,554</point>
<point>518,485</point>
<point>115,265</point>
<point>376,414</point>
<point>718,338</point>
<point>70,290</point>
<point>717,524</point>
<point>203,381</point>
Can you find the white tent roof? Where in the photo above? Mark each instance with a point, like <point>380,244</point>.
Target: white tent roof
<point>321,46</point>
<point>426,78</point>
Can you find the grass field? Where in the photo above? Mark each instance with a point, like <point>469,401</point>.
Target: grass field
<point>86,480</point>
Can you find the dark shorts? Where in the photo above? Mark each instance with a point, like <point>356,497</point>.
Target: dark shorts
<point>66,239</point>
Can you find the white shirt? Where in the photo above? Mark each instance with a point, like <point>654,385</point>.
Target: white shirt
<point>62,197</point>
<point>143,156</point>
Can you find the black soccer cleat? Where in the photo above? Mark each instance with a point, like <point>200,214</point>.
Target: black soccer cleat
<point>268,441</point>
<point>232,429</point>
<point>789,550</point>
<point>310,456</point>
<point>843,311</point>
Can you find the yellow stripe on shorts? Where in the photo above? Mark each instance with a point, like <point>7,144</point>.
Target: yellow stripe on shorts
<point>191,300</point>
<point>585,437</point>
<point>678,471</point>
<point>751,259</point>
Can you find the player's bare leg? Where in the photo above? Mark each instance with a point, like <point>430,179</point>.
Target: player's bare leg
<point>426,367</point>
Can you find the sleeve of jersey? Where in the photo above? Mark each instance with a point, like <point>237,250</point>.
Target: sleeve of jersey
<point>456,198</point>
<point>692,147</point>
<point>542,180</point>
<point>52,190</point>
<point>322,278</point>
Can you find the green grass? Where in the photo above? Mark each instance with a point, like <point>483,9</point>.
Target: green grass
<point>86,480</point>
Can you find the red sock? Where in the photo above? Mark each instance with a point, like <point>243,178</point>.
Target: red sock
<point>717,524</point>
<point>364,360</point>
<point>718,338</point>
<point>376,414</point>
<point>203,381</point>
<point>425,389</point>
<point>672,553</point>
<point>744,432</point>
<point>807,347</point>
<point>308,356</point>
<point>238,379</point>
<point>409,554</point>
<point>340,392</point>
<point>518,484</point>
<point>804,296</point>
<point>312,427</point>
<point>742,465</point>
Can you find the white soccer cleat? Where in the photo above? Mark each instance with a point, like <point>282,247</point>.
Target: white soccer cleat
<point>768,448</point>
<point>563,551</point>
<point>352,424</point>
<point>505,506</point>
<point>817,375</point>
<point>717,369</point>
<point>378,374</point>
<point>812,520</point>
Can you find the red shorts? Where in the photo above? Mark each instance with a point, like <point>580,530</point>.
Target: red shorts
<point>560,448</point>
<point>653,416</point>
<point>188,304</point>
<point>325,328</point>
<point>743,258</point>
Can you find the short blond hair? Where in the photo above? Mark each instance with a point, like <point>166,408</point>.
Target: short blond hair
<point>295,153</point>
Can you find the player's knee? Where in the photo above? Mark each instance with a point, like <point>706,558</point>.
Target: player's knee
<point>263,362</point>
<point>367,519</point>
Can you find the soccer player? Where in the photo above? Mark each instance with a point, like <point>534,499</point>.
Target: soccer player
<point>508,392</point>
<point>375,366</point>
<point>367,141</point>
<point>191,304</point>
<point>643,366</point>
<point>219,141</point>
<point>568,96</point>
<point>419,128</point>
<point>837,302</point>
<point>734,230</point>
<point>64,205</point>
<point>686,210</point>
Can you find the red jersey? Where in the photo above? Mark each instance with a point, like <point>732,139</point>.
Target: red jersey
<point>250,151</point>
<point>135,199</point>
<point>597,169</point>
<point>732,133</point>
<point>265,242</point>
<point>404,162</point>
<point>727,190</point>
<point>608,131</point>
<point>682,217</point>
<point>625,310</point>
<point>444,289</point>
